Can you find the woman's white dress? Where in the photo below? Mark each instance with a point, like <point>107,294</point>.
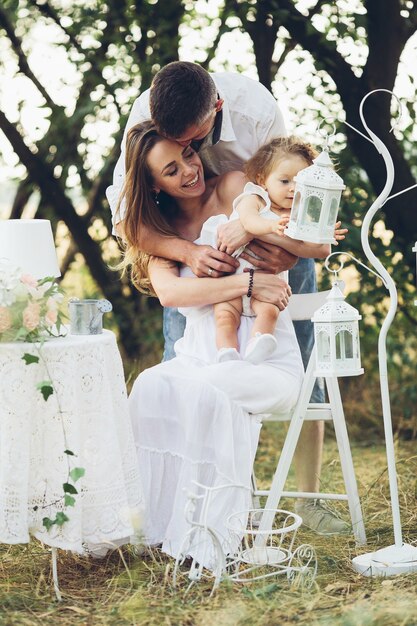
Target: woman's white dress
<point>192,422</point>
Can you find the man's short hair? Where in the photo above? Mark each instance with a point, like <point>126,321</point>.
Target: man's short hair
<point>182,94</point>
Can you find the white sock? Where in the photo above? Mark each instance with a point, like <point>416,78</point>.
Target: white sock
<point>260,347</point>
<point>227,354</point>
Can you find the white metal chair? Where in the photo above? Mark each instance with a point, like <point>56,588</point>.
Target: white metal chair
<point>302,307</point>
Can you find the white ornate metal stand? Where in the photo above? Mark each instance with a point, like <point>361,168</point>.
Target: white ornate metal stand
<point>400,557</point>
<point>203,543</point>
<point>276,556</point>
<point>203,550</point>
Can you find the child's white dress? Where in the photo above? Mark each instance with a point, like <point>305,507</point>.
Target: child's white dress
<point>192,421</point>
<point>209,231</point>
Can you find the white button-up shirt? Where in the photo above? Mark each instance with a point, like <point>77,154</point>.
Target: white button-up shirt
<point>251,118</point>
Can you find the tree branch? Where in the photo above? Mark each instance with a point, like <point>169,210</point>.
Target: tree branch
<point>22,60</point>
<point>21,198</point>
<point>326,55</point>
<point>68,258</point>
<point>49,12</point>
<point>42,174</point>
<point>223,28</point>
<point>289,46</point>
<point>387,37</point>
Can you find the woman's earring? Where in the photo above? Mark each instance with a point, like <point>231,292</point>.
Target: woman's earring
<point>156,198</point>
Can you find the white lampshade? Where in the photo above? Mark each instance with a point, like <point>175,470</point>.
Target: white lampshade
<point>29,244</point>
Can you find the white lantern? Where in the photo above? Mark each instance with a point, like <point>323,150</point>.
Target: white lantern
<point>316,202</point>
<point>336,332</point>
<point>415,250</point>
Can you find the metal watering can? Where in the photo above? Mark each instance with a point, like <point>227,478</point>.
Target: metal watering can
<point>86,316</point>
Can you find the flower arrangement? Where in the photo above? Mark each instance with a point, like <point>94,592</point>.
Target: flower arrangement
<point>30,311</point>
<point>29,308</point>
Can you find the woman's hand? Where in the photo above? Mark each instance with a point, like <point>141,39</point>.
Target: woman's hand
<point>339,233</point>
<point>206,261</point>
<point>231,235</point>
<point>272,258</point>
<point>271,288</point>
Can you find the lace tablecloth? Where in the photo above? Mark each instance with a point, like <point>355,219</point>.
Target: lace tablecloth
<point>87,414</point>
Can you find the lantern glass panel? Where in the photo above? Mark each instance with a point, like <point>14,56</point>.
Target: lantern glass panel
<point>334,205</point>
<point>313,209</point>
<point>323,347</point>
<point>344,345</point>
<point>295,206</point>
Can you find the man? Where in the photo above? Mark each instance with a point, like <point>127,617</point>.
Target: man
<point>226,117</point>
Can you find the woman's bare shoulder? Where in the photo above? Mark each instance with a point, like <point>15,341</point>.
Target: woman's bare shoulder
<point>230,185</point>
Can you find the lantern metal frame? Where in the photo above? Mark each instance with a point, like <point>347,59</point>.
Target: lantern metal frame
<point>399,558</point>
<point>318,181</point>
<point>333,320</point>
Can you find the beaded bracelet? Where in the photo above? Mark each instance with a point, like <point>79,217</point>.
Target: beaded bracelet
<point>250,287</point>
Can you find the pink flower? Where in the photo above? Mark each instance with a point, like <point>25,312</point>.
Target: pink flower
<point>28,280</point>
<point>5,319</point>
<point>51,317</point>
<point>31,316</point>
<point>52,304</point>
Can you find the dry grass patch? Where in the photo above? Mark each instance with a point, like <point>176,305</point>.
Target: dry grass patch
<point>127,588</point>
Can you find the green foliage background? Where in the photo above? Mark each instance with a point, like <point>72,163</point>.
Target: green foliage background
<point>63,137</point>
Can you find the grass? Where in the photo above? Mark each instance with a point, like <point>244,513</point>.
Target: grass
<point>127,588</point>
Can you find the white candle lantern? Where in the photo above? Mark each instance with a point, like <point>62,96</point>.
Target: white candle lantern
<point>336,332</point>
<point>316,202</point>
<point>415,250</point>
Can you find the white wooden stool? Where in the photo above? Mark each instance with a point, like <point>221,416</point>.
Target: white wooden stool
<point>302,307</point>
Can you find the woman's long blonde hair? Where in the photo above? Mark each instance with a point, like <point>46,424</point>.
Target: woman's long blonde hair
<point>143,208</point>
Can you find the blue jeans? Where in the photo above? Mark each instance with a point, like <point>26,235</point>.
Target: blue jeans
<point>302,279</point>
<point>173,329</point>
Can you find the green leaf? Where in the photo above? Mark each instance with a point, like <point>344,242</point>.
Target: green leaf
<point>69,452</point>
<point>266,590</point>
<point>46,389</point>
<point>77,473</point>
<point>48,523</point>
<point>61,518</point>
<point>69,500</point>
<point>47,279</point>
<point>30,358</point>
<point>68,488</point>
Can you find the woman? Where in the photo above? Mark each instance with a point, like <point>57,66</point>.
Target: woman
<point>192,416</point>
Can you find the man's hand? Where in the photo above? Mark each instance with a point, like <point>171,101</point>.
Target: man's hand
<point>231,236</point>
<point>271,288</point>
<point>339,233</point>
<point>206,261</point>
<point>271,258</point>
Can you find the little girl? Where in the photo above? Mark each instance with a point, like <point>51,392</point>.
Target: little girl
<point>264,208</point>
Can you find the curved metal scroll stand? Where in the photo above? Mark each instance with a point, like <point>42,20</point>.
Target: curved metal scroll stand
<point>400,557</point>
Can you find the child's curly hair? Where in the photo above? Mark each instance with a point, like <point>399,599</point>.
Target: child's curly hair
<point>264,160</point>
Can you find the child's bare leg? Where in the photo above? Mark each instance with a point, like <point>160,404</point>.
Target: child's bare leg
<point>266,317</point>
<point>263,343</point>
<point>227,319</point>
